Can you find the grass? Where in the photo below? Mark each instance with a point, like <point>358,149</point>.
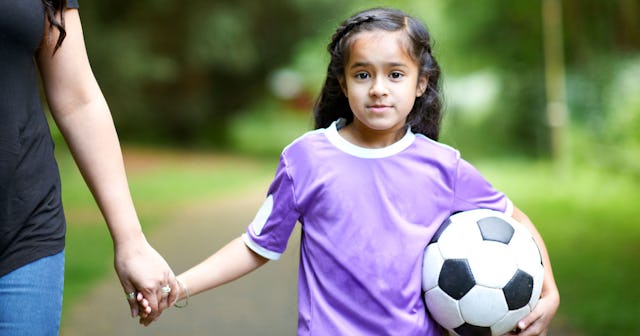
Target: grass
<point>589,220</point>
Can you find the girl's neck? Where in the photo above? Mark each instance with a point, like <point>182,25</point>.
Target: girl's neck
<point>362,136</point>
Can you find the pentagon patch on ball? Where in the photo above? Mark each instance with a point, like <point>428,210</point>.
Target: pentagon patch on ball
<point>482,273</point>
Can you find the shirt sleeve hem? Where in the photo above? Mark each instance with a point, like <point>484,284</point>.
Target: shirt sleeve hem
<point>509,209</point>
<point>259,249</point>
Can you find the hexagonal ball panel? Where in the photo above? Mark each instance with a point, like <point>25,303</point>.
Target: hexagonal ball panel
<point>483,306</point>
<point>443,308</point>
<point>492,264</point>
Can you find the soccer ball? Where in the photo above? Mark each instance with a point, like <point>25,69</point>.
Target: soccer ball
<point>482,273</point>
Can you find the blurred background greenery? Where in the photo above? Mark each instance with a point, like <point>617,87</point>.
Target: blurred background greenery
<point>543,96</point>
<point>187,74</point>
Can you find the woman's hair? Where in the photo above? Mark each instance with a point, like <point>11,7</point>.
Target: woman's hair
<point>332,104</point>
<point>51,8</point>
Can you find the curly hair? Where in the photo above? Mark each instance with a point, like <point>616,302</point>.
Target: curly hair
<point>426,114</point>
<point>51,8</point>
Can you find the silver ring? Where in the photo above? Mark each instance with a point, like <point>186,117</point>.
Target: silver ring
<point>166,289</point>
<point>131,295</point>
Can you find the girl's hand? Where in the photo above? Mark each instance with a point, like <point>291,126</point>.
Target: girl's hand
<point>144,310</point>
<point>143,306</point>
<point>537,322</point>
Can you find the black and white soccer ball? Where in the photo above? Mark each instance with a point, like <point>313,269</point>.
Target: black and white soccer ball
<point>482,273</point>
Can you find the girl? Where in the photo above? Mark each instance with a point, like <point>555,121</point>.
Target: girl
<point>44,37</point>
<point>369,186</point>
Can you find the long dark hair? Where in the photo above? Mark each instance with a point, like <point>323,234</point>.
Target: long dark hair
<point>51,8</point>
<point>426,115</point>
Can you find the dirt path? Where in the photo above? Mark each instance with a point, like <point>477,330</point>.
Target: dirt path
<point>263,303</point>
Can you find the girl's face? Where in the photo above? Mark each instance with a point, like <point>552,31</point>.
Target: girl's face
<point>381,82</point>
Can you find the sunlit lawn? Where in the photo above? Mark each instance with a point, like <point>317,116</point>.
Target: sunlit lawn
<point>589,220</point>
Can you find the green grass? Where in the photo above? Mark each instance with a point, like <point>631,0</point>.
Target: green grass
<point>589,220</point>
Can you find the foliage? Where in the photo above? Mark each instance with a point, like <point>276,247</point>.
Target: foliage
<point>267,128</point>
<point>506,37</point>
<point>175,72</point>
<point>179,74</point>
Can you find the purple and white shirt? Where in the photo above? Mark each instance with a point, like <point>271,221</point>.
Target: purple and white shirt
<point>366,216</point>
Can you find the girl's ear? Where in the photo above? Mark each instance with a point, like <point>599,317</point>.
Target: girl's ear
<point>423,81</point>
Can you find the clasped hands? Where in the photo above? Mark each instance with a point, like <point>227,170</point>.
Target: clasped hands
<point>149,284</point>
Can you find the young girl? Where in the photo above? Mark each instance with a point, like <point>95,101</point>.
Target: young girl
<point>369,187</point>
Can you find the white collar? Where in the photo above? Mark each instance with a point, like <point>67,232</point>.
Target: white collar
<point>367,153</point>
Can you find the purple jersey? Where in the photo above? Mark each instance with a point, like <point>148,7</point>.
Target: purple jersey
<point>366,216</point>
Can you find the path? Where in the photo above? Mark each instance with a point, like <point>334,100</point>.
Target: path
<point>263,303</point>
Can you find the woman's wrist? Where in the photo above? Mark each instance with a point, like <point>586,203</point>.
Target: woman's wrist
<point>128,236</point>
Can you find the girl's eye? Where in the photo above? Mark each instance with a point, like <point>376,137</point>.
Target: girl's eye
<point>362,75</point>
<point>396,75</point>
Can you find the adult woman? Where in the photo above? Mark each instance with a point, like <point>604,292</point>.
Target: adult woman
<point>32,224</point>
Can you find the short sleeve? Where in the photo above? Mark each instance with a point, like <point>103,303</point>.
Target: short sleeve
<point>473,191</point>
<point>73,4</point>
<point>273,224</point>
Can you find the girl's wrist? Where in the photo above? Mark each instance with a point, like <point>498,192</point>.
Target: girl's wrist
<point>183,296</point>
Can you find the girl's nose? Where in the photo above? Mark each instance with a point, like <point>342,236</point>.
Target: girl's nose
<point>378,87</point>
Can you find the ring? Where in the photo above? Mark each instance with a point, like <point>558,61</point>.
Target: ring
<point>166,289</point>
<point>131,295</point>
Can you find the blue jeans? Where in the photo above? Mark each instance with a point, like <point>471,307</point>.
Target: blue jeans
<point>31,298</point>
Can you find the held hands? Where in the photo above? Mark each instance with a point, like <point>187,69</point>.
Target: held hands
<point>143,272</point>
<point>145,308</point>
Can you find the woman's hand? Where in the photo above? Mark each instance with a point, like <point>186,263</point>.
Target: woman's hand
<point>142,269</point>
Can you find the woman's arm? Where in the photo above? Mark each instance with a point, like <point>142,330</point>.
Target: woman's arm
<point>537,322</point>
<point>82,115</point>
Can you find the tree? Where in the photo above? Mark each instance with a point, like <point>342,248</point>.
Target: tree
<point>506,37</point>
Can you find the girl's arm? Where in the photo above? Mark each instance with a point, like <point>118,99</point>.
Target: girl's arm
<point>82,115</point>
<point>229,263</point>
<point>537,322</point>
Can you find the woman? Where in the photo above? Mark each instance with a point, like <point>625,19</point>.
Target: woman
<point>44,37</point>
